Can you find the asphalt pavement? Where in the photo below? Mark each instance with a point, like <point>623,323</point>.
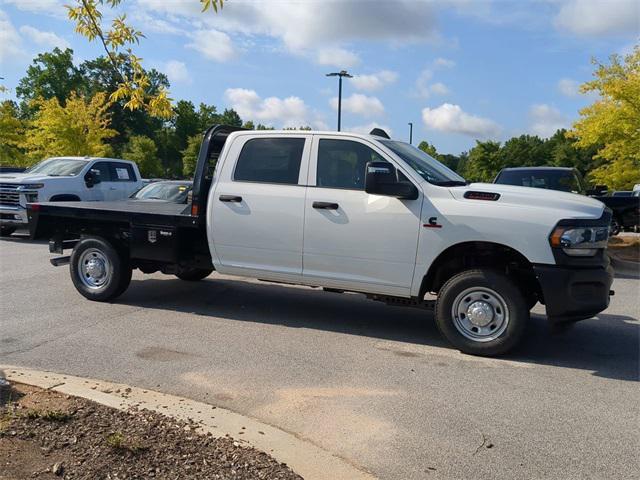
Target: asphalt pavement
<point>374,384</point>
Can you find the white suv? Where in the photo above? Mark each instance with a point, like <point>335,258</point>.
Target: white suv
<point>64,179</point>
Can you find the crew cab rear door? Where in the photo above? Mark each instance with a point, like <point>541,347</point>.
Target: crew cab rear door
<point>352,239</point>
<point>258,206</point>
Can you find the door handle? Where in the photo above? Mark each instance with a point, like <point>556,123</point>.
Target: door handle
<point>325,205</point>
<point>230,198</point>
<point>112,188</point>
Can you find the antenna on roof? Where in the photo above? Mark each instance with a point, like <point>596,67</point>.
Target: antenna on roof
<point>378,132</point>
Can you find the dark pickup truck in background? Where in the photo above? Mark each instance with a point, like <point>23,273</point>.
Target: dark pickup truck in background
<point>626,209</point>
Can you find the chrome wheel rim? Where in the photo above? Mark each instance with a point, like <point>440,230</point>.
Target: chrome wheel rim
<point>480,314</point>
<point>94,269</point>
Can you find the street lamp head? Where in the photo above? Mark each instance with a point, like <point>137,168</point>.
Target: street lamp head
<point>341,73</point>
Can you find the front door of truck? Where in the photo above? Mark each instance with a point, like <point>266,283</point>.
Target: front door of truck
<point>108,189</point>
<point>353,239</point>
<point>258,206</point>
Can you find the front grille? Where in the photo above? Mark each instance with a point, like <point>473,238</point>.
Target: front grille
<point>9,194</point>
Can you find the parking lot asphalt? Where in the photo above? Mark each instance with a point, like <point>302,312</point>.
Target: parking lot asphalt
<point>376,385</point>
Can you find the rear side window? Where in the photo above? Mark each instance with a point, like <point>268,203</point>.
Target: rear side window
<point>270,160</point>
<point>122,172</point>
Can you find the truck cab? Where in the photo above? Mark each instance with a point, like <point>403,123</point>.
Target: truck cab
<point>356,213</point>
<point>64,179</point>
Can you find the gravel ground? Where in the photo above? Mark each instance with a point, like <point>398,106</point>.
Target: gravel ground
<point>44,434</point>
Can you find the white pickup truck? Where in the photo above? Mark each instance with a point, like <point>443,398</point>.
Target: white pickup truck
<point>358,213</point>
<point>64,179</point>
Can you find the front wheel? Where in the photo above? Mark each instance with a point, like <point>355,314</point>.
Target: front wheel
<point>7,231</point>
<point>481,312</point>
<point>98,271</point>
<point>193,274</point>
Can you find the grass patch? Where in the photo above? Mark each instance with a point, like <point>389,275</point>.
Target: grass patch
<point>49,415</point>
<point>118,441</point>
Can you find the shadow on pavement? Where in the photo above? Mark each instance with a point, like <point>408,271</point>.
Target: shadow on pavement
<point>607,345</point>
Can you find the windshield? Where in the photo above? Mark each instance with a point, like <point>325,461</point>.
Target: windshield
<point>427,167</point>
<point>171,192</point>
<point>59,167</point>
<point>563,180</point>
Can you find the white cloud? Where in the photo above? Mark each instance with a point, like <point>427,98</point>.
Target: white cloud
<point>444,63</point>
<point>50,7</point>
<point>285,112</point>
<point>374,81</point>
<point>303,25</point>
<point>359,104</point>
<point>366,129</point>
<point>568,87</point>
<point>213,44</point>
<point>10,40</point>
<point>177,72</point>
<point>599,17</point>
<point>44,39</point>
<point>545,120</point>
<point>337,57</point>
<point>424,88</point>
<point>451,118</point>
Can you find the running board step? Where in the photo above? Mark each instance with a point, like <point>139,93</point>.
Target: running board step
<point>59,261</point>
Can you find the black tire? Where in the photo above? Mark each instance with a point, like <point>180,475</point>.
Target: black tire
<point>507,332</point>
<point>7,231</point>
<point>116,268</point>
<point>615,227</point>
<point>193,274</point>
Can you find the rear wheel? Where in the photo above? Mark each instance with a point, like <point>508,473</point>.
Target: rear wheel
<point>481,312</point>
<point>193,274</point>
<point>7,231</point>
<point>98,271</point>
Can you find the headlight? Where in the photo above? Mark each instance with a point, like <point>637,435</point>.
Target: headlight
<point>580,241</point>
<point>30,186</point>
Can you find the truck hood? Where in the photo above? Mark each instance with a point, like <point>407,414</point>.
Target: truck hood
<point>20,178</point>
<point>570,204</point>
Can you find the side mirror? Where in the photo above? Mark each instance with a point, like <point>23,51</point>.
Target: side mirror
<point>92,178</point>
<point>382,179</point>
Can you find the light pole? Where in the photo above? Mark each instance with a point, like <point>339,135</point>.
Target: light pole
<point>340,74</point>
<point>410,133</point>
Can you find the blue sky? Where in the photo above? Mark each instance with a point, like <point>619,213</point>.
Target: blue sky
<point>458,69</point>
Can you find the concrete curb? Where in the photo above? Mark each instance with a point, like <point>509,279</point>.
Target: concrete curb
<point>625,267</point>
<point>305,458</point>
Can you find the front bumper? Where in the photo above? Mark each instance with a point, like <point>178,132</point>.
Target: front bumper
<point>13,216</point>
<point>574,293</point>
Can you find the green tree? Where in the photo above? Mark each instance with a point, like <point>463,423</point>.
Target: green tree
<point>483,162</point>
<point>144,152</point>
<point>11,134</point>
<point>80,127</point>
<point>190,155</point>
<point>523,151</point>
<point>230,117</point>
<point>51,75</point>
<point>429,149</point>
<point>612,123</point>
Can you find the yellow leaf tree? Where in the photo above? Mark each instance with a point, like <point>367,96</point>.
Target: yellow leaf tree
<point>79,128</point>
<point>612,122</point>
<point>11,135</point>
<point>118,42</point>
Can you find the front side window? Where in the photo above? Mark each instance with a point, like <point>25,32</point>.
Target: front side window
<point>104,171</point>
<point>270,160</point>
<point>59,167</point>
<point>342,163</point>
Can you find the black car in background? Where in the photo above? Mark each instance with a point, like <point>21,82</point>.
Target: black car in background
<point>626,209</point>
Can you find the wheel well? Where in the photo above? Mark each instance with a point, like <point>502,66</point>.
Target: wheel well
<point>65,197</point>
<point>467,255</point>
